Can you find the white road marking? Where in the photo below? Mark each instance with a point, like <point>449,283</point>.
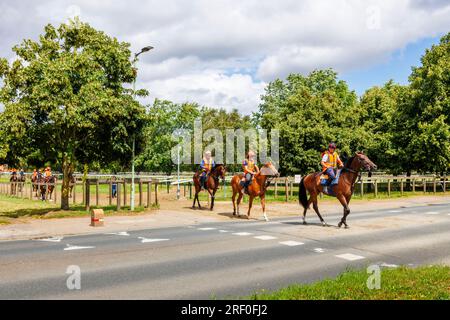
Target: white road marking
<point>395,211</point>
<point>432,212</point>
<point>122,233</point>
<point>52,239</point>
<point>206,229</point>
<point>387,265</point>
<point>291,243</point>
<point>319,250</point>
<point>224,231</point>
<point>146,240</point>
<point>71,247</point>
<point>265,237</point>
<point>349,256</point>
<point>242,234</point>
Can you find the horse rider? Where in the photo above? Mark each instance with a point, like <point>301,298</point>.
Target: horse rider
<point>21,173</point>
<point>250,169</point>
<point>206,166</point>
<point>331,161</point>
<point>48,172</point>
<point>34,175</point>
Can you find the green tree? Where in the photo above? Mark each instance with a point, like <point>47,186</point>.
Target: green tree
<point>425,117</point>
<point>66,96</point>
<point>310,111</point>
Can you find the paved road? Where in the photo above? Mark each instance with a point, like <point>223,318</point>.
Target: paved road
<point>222,260</point>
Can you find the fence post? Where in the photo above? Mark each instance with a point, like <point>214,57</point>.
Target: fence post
<point>424,185</point>
<point>110,191</point>
<point>168,186</point>
<point>190,191</point>
<point>96,192</point>
<point>87,196</point>
<point>31,191</point>
<point>401,186</point>
<point>83,192</point>
<point>286,195</point>
<point>444,183</point>
<point>140,193</point>
<point>156,192</point>
<point>149,194</point>
<point>414,185</point>
<point>376,188</point>
<point>362,187</point>
<point>276,188</point>
<point>74,190</point>
<point>434,185</point>
<point>55,189</point>
<point>125,191</point>
<point>118,195</point>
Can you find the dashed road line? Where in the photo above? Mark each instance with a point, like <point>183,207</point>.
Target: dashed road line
<point>349,257</point>
<point>265,237</point>
<point>122,233</point>
<point>206,229</point>
<point>147,240</point>
<point>432,212</point>
<point>291,243</point>
<point>319,250</point>
<point>71,247</point>
<point>242,234</point>
<point>395,211</point>
<point>224,231</point>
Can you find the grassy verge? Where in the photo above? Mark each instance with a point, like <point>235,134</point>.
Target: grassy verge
<point>12,208</point>
<point>422,283</point>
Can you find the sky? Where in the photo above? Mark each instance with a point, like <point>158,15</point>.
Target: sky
<point>223,53</point>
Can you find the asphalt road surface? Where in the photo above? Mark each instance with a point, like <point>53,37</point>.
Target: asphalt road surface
<point>223,259</point>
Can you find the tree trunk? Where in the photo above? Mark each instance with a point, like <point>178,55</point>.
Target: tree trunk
<point>65,189</point>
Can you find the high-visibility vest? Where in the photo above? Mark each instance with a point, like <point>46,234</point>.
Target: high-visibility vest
<point>250,166</point>
<point>207,164</point>
<point>332,159</point>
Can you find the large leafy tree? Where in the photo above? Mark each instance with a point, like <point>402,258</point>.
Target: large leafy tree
<point>380,117</point>
<point>311,111</point>
<point>66,99</point>
<point>426,118</point>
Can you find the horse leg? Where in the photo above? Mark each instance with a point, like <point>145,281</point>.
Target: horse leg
<point>211,193</point>
<point>250,202</point>
<point>344,203</point>
<point>316,209</point>
<point>195,197</point>
<point>306,209</point>
<point>239,202</point>
<point>233,198</point>
<point>263,205</point>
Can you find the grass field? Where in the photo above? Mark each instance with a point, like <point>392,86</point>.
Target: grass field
<point>13,208</point>
<point>422,283</point>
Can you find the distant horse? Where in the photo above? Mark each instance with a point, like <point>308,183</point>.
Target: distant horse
<point>72,181</point>
<point>47,185</point>
<point>34,183</point>
<point>212,183</point>
<point>342,191</point>
<point>21,181</point>
<point>13,182</point>
<point>258,187</point>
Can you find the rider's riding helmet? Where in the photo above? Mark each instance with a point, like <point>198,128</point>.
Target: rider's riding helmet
<point>332,145</point>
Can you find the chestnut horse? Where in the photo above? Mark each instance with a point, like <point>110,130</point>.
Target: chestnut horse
<point>212,183</point>
<point>258,187</point>
<point>343,190</point>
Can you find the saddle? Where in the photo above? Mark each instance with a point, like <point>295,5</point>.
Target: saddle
<point>327,183</point>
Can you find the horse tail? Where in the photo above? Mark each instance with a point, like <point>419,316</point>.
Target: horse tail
<point>302,197</point>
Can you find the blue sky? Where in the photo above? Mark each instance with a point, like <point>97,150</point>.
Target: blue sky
<point>397,67</point>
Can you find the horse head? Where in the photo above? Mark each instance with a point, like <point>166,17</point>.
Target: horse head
<point>364,162</point>
<point>219,171</point>
<point>269,169</point>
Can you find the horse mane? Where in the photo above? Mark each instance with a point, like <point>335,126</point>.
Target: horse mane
<point>348,163</point>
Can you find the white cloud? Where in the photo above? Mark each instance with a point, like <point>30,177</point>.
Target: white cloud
<point>203,41</point>
<point>210,88</point>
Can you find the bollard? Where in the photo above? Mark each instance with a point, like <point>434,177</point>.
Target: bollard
<point>97,218</point>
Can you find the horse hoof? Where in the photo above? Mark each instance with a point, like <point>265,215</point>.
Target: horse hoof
<point>305,223</point>
<point>324,224</point>
<point>347,227</point>
<point>339,224</point>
